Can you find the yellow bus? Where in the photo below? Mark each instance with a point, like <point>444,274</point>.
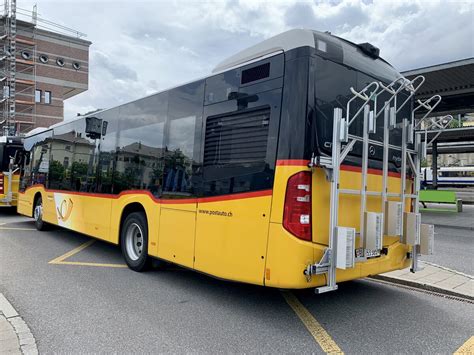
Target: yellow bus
<point>11,153</point>
<point>226,176</point>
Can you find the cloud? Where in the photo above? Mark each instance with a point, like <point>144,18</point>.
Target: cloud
<point>112,67</point>
<point>145,46</point>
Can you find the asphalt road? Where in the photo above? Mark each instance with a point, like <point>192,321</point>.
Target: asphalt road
<point>100,309</point>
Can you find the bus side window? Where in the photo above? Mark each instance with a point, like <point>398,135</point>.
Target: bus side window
<point>182,139</point>
<point>140,149</point>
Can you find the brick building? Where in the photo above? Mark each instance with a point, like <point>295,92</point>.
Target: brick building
<point>49,67</point>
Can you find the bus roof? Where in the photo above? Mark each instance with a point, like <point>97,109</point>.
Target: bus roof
<point>349,53</point>
<point>297,38</point>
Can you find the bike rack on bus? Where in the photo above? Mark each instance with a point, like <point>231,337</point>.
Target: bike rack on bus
<point>330,261</point>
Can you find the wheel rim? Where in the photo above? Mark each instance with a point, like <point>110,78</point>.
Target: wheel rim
<point>134,241</point>
<point>38,213</point>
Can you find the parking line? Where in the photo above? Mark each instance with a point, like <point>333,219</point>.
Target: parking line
<point>80,263</point>
<point>466,348</point>
<point>63,257</point>
<point>314,327</point>
<point>61,260</point>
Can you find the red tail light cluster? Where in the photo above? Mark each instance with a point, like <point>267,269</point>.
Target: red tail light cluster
<point>297,211</point>
<point>1,184</point>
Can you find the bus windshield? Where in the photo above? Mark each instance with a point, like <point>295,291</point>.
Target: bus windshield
<point>7,151</point>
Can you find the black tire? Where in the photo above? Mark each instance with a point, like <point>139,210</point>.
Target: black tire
<point>38,215</point>
<point>134,241</point>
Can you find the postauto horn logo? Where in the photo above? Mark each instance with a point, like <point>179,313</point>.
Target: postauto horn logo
<point>65,209</point>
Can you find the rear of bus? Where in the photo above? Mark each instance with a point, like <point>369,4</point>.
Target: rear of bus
<point>11,149</point>
<point>317,80</point>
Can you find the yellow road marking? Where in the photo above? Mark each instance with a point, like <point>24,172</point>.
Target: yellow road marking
<point>80,263</point>
<point>317,331</point>
<point>467,347</point>
<point>63,257</point>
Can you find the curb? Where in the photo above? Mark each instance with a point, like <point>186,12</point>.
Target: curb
<point>422,286</point>
<point>26,340</point>
<point>454,227</point>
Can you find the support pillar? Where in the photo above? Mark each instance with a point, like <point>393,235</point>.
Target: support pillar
<point>434,164</point>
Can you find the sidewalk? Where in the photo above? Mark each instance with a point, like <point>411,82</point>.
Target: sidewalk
<point>461,220</point>
<point>434,278</point>
<point>15,336</point>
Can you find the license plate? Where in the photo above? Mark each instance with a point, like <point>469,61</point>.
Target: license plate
<point>368,253</point>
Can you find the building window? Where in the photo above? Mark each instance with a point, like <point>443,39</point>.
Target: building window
<point>37,95</point>
<point>66,162</point>
<point>43,58</point>
<point>60,62</point>
<point>76,65</point>
<point>68,148</point>
<point>26,55</point>
<point>47,97</point>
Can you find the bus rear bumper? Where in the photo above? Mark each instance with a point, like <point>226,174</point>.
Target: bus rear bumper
<point>288,257</point>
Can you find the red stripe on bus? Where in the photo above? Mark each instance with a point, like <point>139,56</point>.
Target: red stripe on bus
<point>228,197</point>
<point>292,162</point>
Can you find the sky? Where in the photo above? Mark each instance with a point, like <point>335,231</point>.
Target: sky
<point>141,47</point>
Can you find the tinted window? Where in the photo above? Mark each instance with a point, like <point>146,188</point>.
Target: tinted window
<point>332,83</point>
<point>108,146</point>
<point>219,87</point>
<point>140,149</point>
<point>294,122</point>
<point>73,158</point>
<point>8,151</point>
<point>37,166</point>
<point>332,89</point>
<point>183,140</point>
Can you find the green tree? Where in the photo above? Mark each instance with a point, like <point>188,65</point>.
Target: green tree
<point>56,171</point>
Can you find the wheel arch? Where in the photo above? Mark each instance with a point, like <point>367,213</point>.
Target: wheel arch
<point>128,209</point>
<point>35,199</point>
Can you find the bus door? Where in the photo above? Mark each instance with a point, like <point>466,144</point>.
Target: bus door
<point>177,217</point>
<point>178,202</point>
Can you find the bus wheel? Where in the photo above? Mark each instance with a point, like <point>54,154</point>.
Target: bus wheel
<point>38,215</point>
<point>134,241</point>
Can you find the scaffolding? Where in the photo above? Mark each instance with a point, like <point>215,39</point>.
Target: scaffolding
<point>18,55</point>
<point>342,251</point>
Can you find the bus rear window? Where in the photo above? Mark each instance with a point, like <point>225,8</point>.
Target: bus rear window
<point>332,89</point>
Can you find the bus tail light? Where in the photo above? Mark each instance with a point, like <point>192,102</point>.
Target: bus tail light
<point>297,210</point>
<point>1,184</point>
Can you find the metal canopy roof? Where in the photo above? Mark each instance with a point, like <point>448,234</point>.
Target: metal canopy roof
<point>453,140</point>
<point>450,148</point>
<point>465,134</point>
<point>454,81</point>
